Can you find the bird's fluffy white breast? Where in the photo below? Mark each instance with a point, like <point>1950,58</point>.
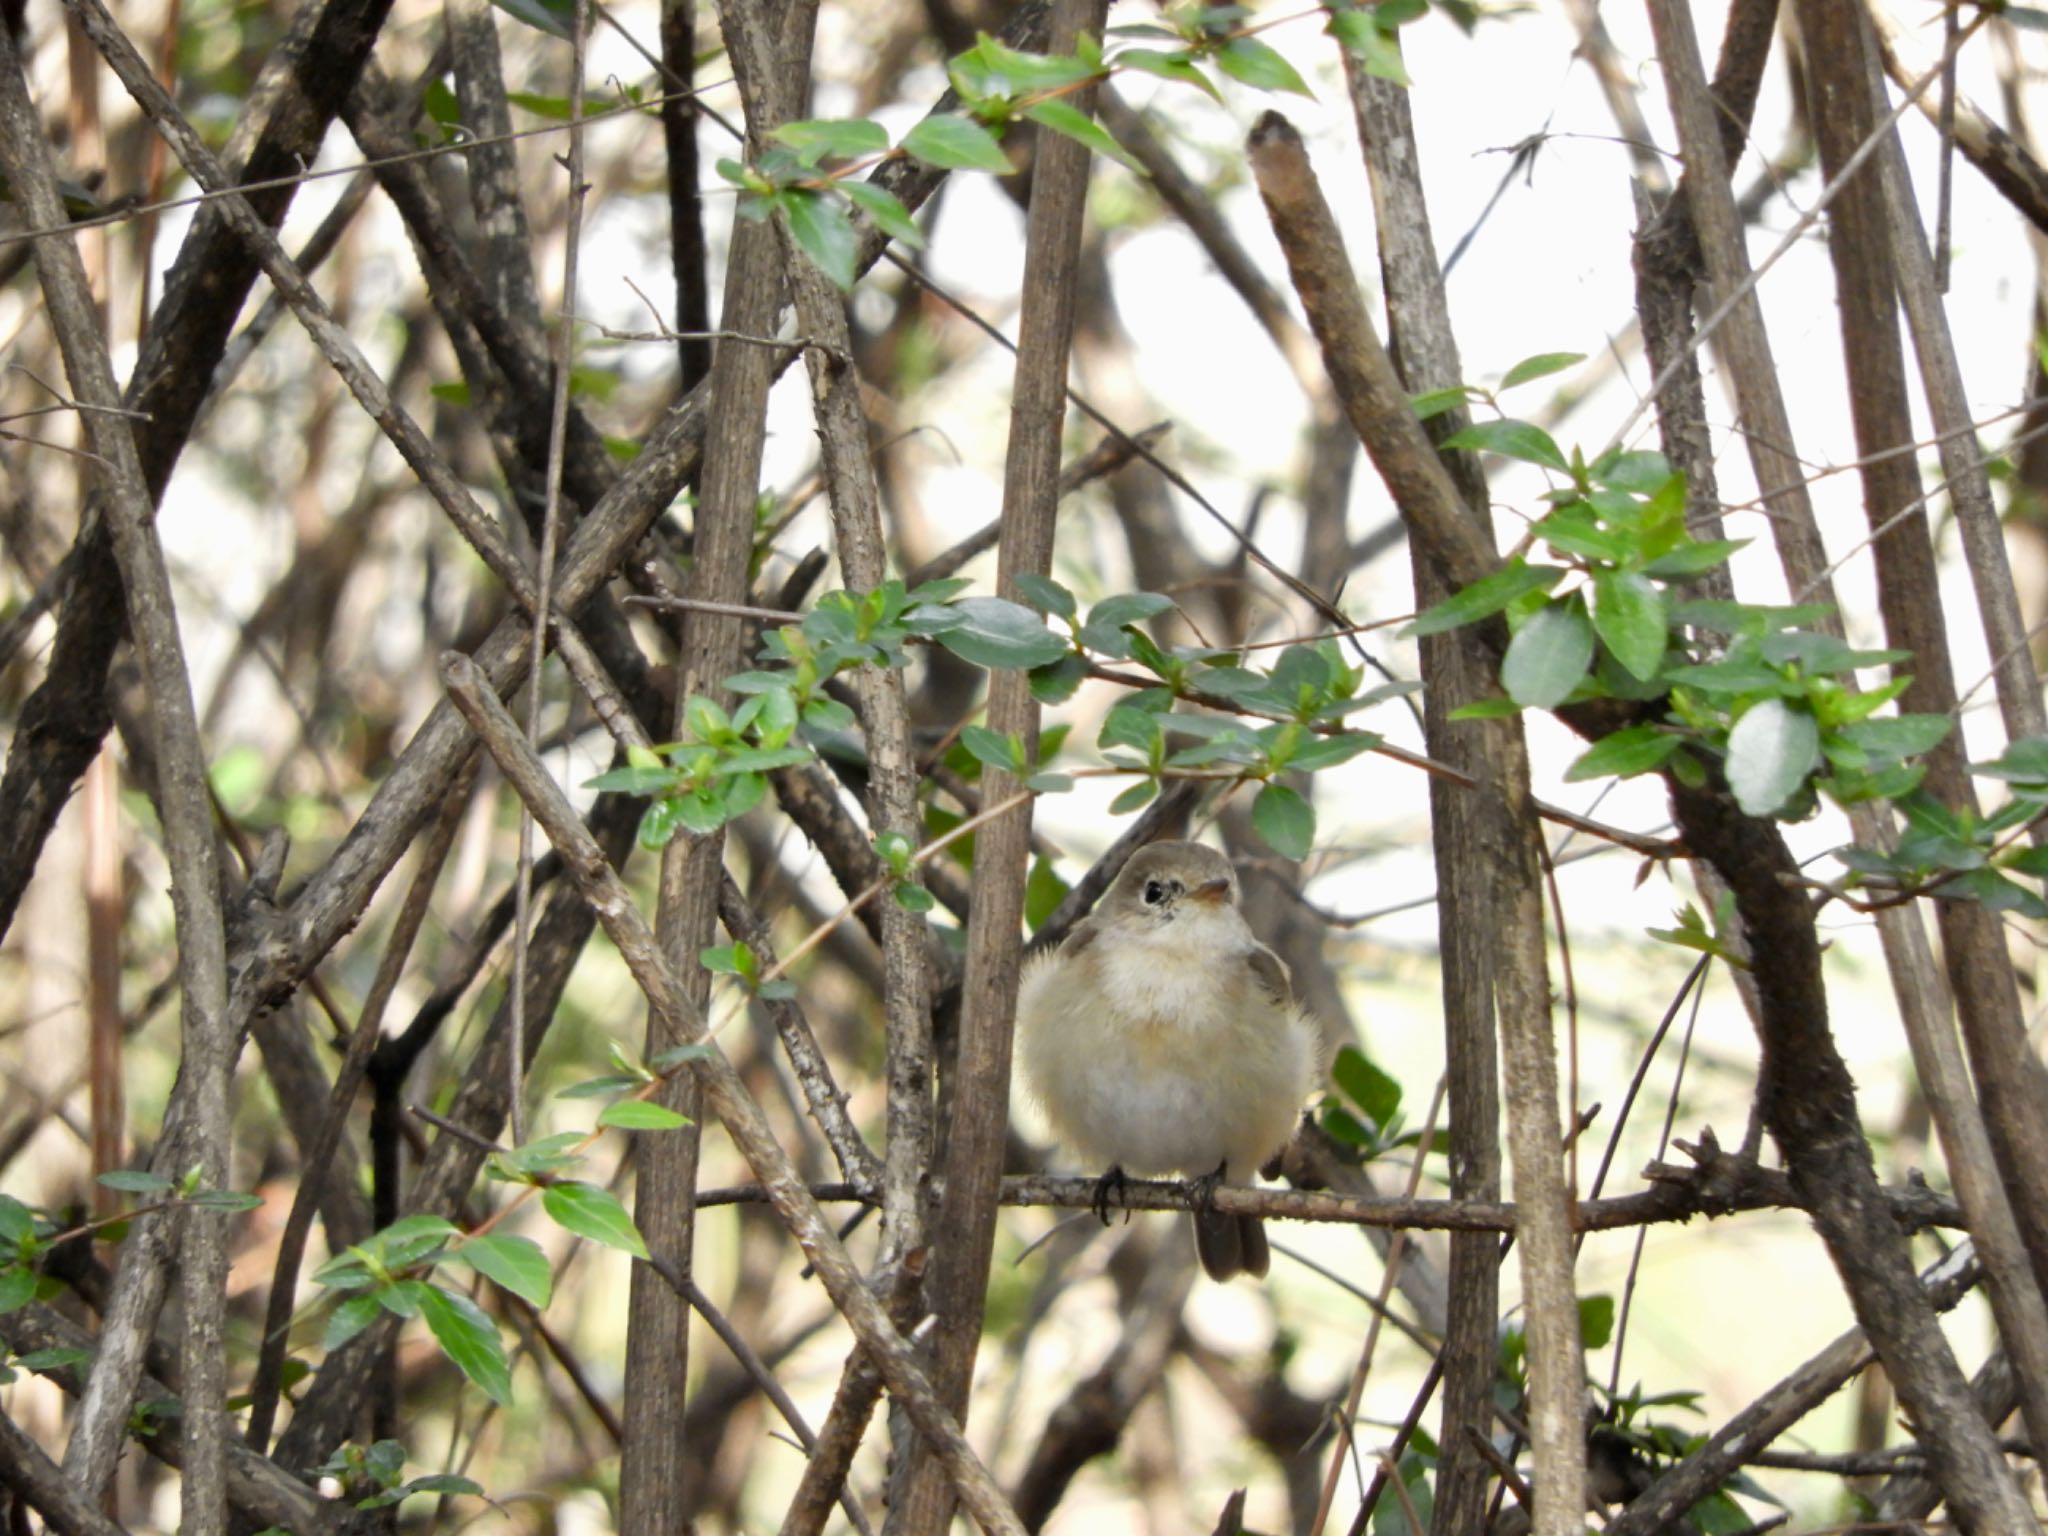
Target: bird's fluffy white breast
<point>1156,1052</point>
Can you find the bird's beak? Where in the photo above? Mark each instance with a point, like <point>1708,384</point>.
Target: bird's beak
<point>1212,893</point>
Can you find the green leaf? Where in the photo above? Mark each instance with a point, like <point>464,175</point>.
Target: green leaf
<point>1045,594</point>
<point>2022,762</point>
<point>1624,753</point>
<point>1167,66</point>
<point>1320,752</point>
<point>554,17</point>
<point>1063,117</point>
<point>1059,682</point>
<point>1130,799</point>
<point>1640,470</point>
<point>1549,655</point>
<point>17,1287</point>
<point>701,811</point>
<point>634,781</point>
<point>1694,558</point>
<point>839,138</point>
<point>1285,820</point>
<point>1044,890</point>
<point>1771,750</point>
<point>1486,709</point>
<point>18,1222</point>
<point>1104,630</point>
<point>914,898</point>
<point>593,1213</point>
<point>1540,366</point>
<point>1434,402</point>
<point>1511,440</point>
<point>641,1115</point>
<point>1822,655</point>
<point>824,233</point>
<point>349,1319</point>
<point>550,1154</point>
<point>1365,1085</point>
<point>470,1339</point>
<point>955,143</point>
<point>63,1359</point>
<point>225,1200</point>
<point>1486,596</point>
<point>723,959</point>
<point>886,209</point>
<point>1899,736</point>
<point>992,748</point>
<point>516,1263</point>
<point>136,1181</point>
<point>1257,65</point>
<point>1596,1320</point>
<point>761,759</point>
<point>995,632</point>
<point>1629,611</point>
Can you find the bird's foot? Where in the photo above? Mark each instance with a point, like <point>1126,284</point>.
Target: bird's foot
<point>1112,1180</point>
<point>1202,1188</point>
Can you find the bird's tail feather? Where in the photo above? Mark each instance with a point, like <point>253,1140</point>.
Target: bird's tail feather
<point>1229,1246</point>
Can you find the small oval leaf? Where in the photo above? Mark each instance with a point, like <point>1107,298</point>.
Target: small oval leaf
<point>1550,653</point>
<point>1770,752</point>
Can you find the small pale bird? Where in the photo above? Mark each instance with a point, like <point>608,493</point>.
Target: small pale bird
<point>1162,1037</point>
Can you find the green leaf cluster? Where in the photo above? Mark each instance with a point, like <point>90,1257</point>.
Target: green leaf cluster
<point>1363,1109</point>
<point>739,960</point>
<point>1967,855</point>
<point>1608,616</point>
<point>806,178</point>
<point>380,1469</point>
<point>1304,697</point>
<point>392,1270</point>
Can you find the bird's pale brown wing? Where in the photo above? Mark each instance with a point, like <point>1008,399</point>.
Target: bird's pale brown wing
<point>1079,938</point>
<point>1270,972</point>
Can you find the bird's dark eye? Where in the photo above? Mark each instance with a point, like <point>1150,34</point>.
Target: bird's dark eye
<point>1155,892</point>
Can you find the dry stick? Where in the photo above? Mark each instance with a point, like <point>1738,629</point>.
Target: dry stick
<point>826,1098</point>
<point>1465,825</point>
<point>1923,1012</point>
<point>860,1384</point>
<point>1091,1419</point>
<point>1347,1418</point>
<point>1741,295</point>
<point>849,473</point>
<point>1677,1194</point>
<point>39,1483</point>
<point>981,1089</point>
<point>257,1486</point>
<point>67,716</point>
<point>1777,1410</point>
<point>1203,218</point>
<point>355,1062</point>
<point>687,251</point>
<point>2012,1084</point>
<point>551,518</point>
<point>449,1170</point>
<point>757,1370</point>
<point>722,1089</point>
<point>208,1041</point>
<point>2002,160</point>
<point>339,348</point>
<point>1969,487</point>
<point>657,1460</point>
<point>1376,403</point>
